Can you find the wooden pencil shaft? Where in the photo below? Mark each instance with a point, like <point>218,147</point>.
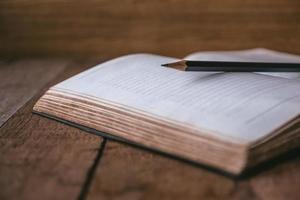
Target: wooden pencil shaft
<point>243,69</point>
<point>234,66</point>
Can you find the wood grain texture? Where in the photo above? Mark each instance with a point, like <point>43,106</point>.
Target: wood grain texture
<point>105,28</point>
<point>131,173</point>
<point>41,158</point>
<point>18,85</point>
<point>44,159</point>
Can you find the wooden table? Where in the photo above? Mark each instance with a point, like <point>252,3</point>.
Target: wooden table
<point>44,159</point>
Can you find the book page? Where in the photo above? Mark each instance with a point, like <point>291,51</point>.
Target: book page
<point>250,55</point>
<point>237,106</point>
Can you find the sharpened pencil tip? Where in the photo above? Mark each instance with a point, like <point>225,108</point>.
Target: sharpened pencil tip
<point>179,65</point>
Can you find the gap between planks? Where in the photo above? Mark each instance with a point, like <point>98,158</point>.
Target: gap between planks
<point>92,171</point>
<point>48,156</point>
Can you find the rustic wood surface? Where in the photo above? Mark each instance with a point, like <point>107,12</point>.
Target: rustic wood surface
<point>18,87</point>
<point>40,158</point>
<point>44,159</point>
<point>131,173</point>
<point>104,28</point>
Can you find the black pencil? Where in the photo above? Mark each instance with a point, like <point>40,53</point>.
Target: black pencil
<point>188,65</point>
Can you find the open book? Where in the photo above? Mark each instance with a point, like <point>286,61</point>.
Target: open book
<point>229,121</point>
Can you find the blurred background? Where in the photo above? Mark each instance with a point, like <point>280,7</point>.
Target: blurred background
<point>108,28</point>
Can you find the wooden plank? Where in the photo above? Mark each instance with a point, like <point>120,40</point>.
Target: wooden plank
<point>281,182</point>
<point>131,173</point>
<point>175,28</point>
<point>22,79</point>
<point>43,159</point>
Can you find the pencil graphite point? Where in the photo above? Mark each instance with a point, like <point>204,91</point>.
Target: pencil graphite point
<point>180,65</point>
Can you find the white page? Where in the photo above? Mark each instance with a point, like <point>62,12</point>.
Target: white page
<point>241,106</point>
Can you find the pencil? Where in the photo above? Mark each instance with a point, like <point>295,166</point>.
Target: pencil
<point>189,65</point>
